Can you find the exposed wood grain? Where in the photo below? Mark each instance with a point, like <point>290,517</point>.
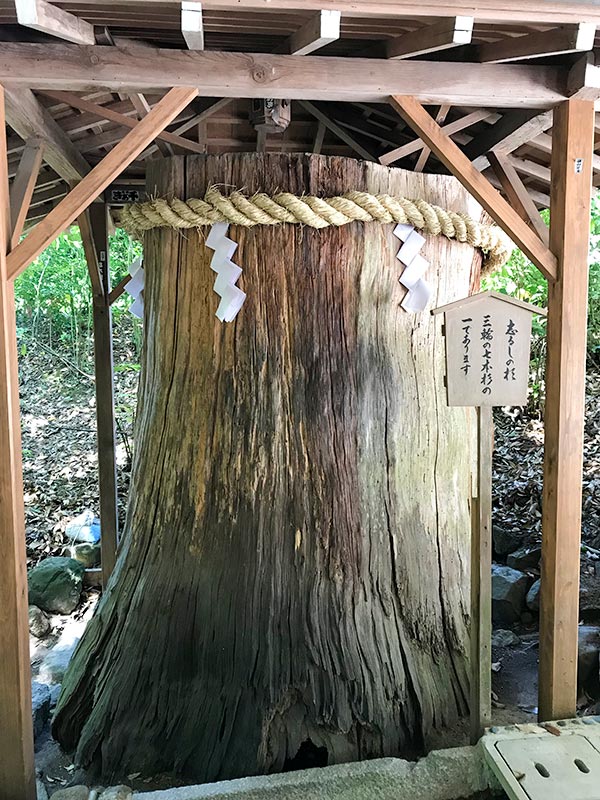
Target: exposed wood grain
<point>460,166</point>
<point>102,112</point>
<point>440,118</point>
<point>98,179</point>
<point>17,772</point>
<point>337,129</point>
<point>320,30</point>
<point>231,74</point>
<point>281,506</point>
<point>23,186</point>
<point>513,130</point>
<point>517,195</point>
<point>30,119</point>
<point>481,580</point>
<point>573,138</point>
<point>49,18</point>
<point>442,35</point>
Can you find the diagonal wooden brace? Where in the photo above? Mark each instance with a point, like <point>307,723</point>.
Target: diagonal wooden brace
<point>492,201</point>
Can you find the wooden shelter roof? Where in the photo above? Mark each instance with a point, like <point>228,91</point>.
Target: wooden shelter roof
<point>491,75</point>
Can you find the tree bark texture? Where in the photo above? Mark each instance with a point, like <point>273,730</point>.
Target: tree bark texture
<point>295,562</point>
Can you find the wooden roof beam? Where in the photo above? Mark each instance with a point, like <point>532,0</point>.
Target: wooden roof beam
<point>192,25</point>
<point>567,39</point>
<point>27,117</point>
<point>47,18</point>
<point>431,38</point>
<point>459,165</point>
<point>513,130</point>
<point>237,75</point>
<point>320,30</point>
<point>93,184</point>
<point>337,130</point>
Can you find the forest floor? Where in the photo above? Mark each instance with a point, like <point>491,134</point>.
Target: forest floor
<point>60,481</point>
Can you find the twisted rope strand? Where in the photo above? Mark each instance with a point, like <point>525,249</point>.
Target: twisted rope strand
<point>316,212</point>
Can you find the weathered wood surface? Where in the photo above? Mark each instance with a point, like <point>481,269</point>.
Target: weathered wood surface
<point>296,555</point>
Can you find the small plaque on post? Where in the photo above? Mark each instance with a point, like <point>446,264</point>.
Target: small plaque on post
<point>488,337</point>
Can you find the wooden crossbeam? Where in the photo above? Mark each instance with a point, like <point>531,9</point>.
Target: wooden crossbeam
<point>459,165</point>
<point>564,414</point>
<point>17,768</point>
<point>217,74</point>
<point>23,187</point>
<point>99,178</point>
<point>320,30</point>
<point>530,168</point>
<point>50,19</point>
<point>119,289</point>
<point>513,130</point>
<point>337,130</point>
<point>451,128</point>
<point>30,119</point>
<point>192,25</point>
<point>517,194</point>
<point>567,39</point>
<point>431,38</point>
<point>102,112</point>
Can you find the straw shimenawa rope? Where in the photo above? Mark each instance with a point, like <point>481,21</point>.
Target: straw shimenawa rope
<point>316,212</point>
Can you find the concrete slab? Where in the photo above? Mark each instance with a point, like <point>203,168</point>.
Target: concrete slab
<point>454,774</point>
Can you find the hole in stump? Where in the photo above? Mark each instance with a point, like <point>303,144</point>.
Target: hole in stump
<point>308,755</point>
<point>542,770</point>
<point>582,766</point>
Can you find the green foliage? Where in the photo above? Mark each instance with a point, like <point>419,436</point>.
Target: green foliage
<point>54,300</point>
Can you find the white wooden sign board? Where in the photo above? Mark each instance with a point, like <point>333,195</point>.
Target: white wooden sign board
<point>488,337</point>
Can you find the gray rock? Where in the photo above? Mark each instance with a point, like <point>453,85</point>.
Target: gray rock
<point>56,661</point>
<point>55,584</point>
<point>506,540</point>
<point>525,558</point>
<point>509,587</point>
<point>533,596</point>
<point>72,793</point>
<point>40,707</point>
<point>589,589</point>
<point>54,693</point>
<point>88,554</point>
<point>120,792</point>
<point>40,790</point>
<point>588,657</point>
<point>39,624</point>
<point>503,638</point>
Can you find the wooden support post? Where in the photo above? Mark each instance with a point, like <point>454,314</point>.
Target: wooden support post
<point>96,248</point>
<point>17,771</point>
<point>572,150</point>
<point>481,580</point>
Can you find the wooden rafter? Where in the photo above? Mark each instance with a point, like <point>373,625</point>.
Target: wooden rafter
<point>517,194</point>
<point>513,130</point>
<point>50,19</point>
<point>568,39</point>
<point>23,187</point>
<point>192,24</point>
<point>451,32</point>
<point>30,119</point>
<point>337,130</point>
<point>460,166</point>
<point>451,128</point>
<point>99,178</point>
<point>79,68</point>
<point>440,118</point>
<point>127,122</point>
<point>320,30</point>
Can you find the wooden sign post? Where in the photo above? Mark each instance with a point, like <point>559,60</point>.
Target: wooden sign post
<point>488,338</point>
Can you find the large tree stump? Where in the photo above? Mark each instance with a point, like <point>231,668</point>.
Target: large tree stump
<point>294,574</point>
